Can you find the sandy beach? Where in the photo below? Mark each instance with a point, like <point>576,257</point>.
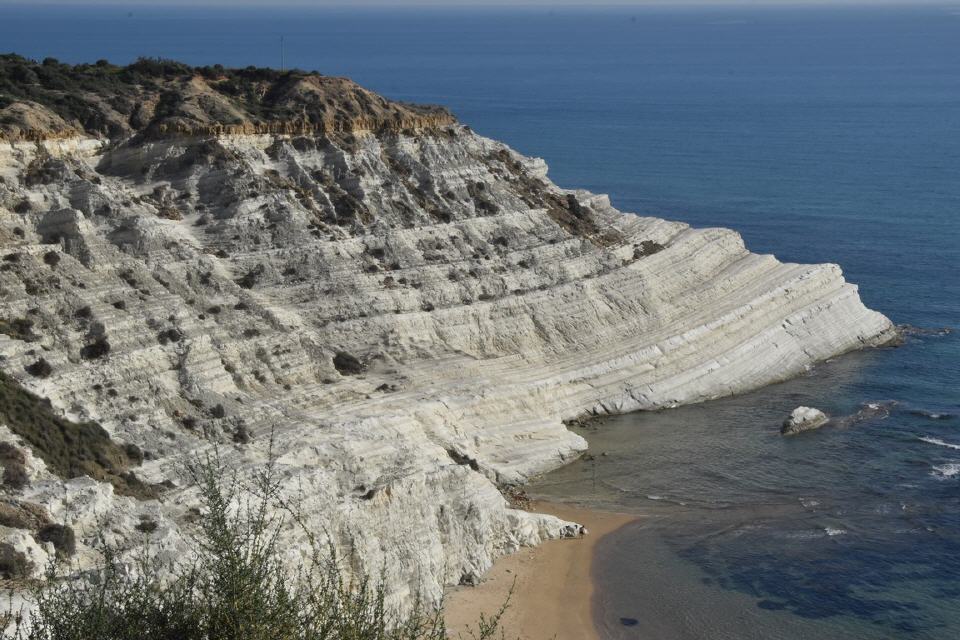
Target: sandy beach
<point>554,591</point>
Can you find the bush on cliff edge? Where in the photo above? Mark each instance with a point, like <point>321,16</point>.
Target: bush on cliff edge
<point>236,588</point>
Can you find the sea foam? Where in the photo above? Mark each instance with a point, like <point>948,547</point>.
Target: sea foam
<point>938,441</point>
<point>932,415</point>
<point>946,471</point>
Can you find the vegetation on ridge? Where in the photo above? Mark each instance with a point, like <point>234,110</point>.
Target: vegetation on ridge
<point>155,95</point>
<point>69,449</point>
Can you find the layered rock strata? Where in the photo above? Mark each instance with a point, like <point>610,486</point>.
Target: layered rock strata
<point>402,311</point>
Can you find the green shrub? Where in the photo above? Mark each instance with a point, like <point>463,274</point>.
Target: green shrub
<point>236,587</point>
<point>13,564</point>
<point>347,364</point>
<point>39,369</point>
<point>62,537</point>
<point>10,452</point>
<point>99,348</point>
<point>18,329</point>
<point>19,514</point>
<point>15,476</point>
<point>68,448</point>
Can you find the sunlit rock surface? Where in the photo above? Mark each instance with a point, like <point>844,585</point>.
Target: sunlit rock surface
<point>405,311</point>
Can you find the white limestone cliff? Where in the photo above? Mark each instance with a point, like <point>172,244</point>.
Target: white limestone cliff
<point>406,317</point>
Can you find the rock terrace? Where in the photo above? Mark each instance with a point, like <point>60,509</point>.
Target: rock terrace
<point>402,311</point>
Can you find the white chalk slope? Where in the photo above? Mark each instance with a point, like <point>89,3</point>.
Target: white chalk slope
<point>486,304</point>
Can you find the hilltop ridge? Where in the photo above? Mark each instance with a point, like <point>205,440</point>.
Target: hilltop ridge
<point>49,99</point>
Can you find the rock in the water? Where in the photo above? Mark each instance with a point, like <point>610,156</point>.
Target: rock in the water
<point>804,419</point>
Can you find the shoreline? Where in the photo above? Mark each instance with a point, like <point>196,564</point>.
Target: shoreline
<point>553,593</point>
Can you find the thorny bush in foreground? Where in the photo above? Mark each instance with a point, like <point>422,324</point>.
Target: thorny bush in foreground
<point>237,587</point>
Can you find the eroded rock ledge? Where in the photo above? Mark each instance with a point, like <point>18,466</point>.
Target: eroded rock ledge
<point>410,309</point>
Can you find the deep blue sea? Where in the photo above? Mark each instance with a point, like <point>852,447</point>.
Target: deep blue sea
<point>826,134</point>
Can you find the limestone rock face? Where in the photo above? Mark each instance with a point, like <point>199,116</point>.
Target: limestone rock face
<point>405,314</point>
<point>804,419</point>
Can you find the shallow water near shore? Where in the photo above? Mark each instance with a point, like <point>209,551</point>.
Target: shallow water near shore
<point>852,531</point>
<point>826,134</point>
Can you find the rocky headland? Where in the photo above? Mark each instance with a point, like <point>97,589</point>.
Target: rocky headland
<point>400,312</point>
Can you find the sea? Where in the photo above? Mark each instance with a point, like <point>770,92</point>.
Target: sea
<point>821,134</point>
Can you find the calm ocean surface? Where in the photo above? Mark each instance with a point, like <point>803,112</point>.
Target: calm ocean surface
<point>820,135</point>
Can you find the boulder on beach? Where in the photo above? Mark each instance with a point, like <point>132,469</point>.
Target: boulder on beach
<point>803,419</point>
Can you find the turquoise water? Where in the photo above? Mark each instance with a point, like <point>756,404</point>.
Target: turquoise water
<point>820,135</point>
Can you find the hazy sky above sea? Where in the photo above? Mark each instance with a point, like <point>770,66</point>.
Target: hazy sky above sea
<point>463,3</point>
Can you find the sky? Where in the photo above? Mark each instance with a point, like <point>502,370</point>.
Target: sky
<point>454,3</point>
